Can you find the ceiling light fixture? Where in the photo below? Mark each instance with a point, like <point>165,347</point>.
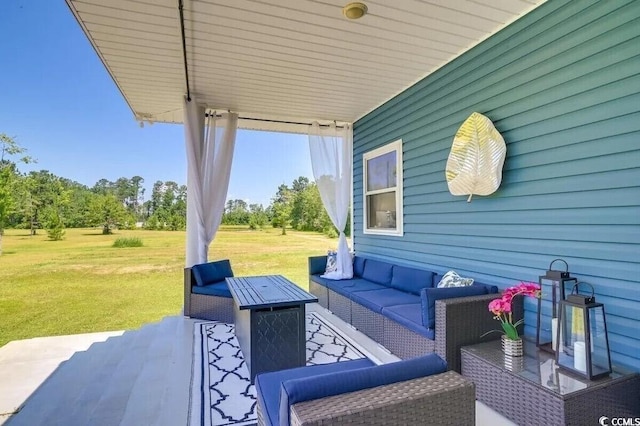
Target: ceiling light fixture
<point>354,10</point>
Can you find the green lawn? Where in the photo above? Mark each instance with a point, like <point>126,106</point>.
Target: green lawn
<point>82,284</point>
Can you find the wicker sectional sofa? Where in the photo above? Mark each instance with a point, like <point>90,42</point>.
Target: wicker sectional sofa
<point>358,392</point>
<point>401,308</point>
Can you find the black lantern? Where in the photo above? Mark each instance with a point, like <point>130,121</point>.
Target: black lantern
<point>552,286</point>
<point>584,345</point>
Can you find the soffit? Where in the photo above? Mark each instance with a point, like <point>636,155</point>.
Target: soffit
<point>281,60</point>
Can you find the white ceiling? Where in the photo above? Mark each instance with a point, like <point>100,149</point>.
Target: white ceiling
<point>282,60</point>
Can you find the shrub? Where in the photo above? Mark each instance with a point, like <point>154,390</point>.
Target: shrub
<point>55,228</point>
<point>151,223</point>
<point>127,242</point>
<point>331,232</point>
<point>56,233</point>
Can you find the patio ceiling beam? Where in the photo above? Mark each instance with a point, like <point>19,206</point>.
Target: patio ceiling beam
<point>297,123</point>
<point>184,49</point>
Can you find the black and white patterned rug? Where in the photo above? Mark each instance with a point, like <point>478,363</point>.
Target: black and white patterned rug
<point>221,393</point>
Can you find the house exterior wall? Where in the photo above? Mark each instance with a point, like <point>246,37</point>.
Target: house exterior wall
<point>562,85</point>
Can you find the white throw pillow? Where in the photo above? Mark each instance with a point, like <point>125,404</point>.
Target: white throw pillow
<point>332,262</point>
<point>452,279</point>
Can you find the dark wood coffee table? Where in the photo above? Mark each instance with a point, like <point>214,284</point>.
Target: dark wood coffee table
<point>269,316</point>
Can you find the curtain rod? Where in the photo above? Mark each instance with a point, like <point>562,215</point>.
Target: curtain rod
<point>184,49</point>
<point>277,121</point>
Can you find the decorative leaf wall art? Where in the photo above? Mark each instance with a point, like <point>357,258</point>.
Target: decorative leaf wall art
<point>474,166</point>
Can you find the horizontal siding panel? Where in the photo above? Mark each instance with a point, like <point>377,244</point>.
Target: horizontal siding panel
<point>604,84</point>
<point>553,160</point>
<point>598,234</point>
<point>604,215</point>
<point>463,252</point>
<point>617,131</point>
<point>628,363</point>
<point>621,345</point>
<point>624,308</point>
<point>576,200</point>
<point>618,170</point>
<point>562,85</point>
<point>560,126</point>
<point>622,326</point>
<point>523,53</point>
<point>501,274</point>
<point>453,114</point>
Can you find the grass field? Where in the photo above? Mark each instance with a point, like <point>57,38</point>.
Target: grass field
<point>82,284</point>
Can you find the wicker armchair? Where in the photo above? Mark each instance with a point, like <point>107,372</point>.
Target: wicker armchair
<point>207,306</point>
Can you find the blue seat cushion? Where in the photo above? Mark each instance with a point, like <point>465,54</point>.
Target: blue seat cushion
<point>322,281</point>
<point>217,289</point>
<point>358,266</point>
<point>377,271</point>
<point>430,295</point>
<point>411,280</point>
<point>268,384</point>
<point>335,383</point>
<point>347,287</point>
<point>212,272</point>
<point>378,299</point>
<point>410,317</point>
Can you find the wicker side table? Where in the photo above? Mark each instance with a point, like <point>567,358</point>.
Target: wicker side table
<point>533,391</point>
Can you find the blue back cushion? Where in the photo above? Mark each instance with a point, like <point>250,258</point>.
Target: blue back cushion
<point>268,384</point>
<point>490,288</point>
<point>212,272</point>
<point>310,388</point>
<point>375,300</point>
<point>358,266</point>
<point>377,272</point>
<point>430,295</point>
<point>436,279</point>
<point>317,264</point>
<point>411,280</point>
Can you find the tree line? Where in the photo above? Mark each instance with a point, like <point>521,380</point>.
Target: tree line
<point>298,206</point>
<point>41,200</point>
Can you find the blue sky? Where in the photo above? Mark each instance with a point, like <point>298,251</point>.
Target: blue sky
<point>59,102</point>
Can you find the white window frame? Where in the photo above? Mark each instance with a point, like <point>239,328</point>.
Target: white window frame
<point>390,147</point>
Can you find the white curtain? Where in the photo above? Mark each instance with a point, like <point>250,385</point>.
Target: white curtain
<point>331,151</point>
<point>209,142</point>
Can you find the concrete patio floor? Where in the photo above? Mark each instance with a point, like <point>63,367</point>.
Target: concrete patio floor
<point>25,366</point>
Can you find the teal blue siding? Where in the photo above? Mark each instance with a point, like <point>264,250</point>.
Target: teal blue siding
<point>562,85</point>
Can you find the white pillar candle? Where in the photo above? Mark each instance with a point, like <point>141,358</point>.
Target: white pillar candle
<point>579,357</point>
<point>554,334</point>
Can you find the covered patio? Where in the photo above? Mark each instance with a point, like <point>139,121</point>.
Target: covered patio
<point>559,79</point>
<point>274,66</point>
<point>136,377</point>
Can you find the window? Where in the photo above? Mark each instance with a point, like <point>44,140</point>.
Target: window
<point>382,180</point>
